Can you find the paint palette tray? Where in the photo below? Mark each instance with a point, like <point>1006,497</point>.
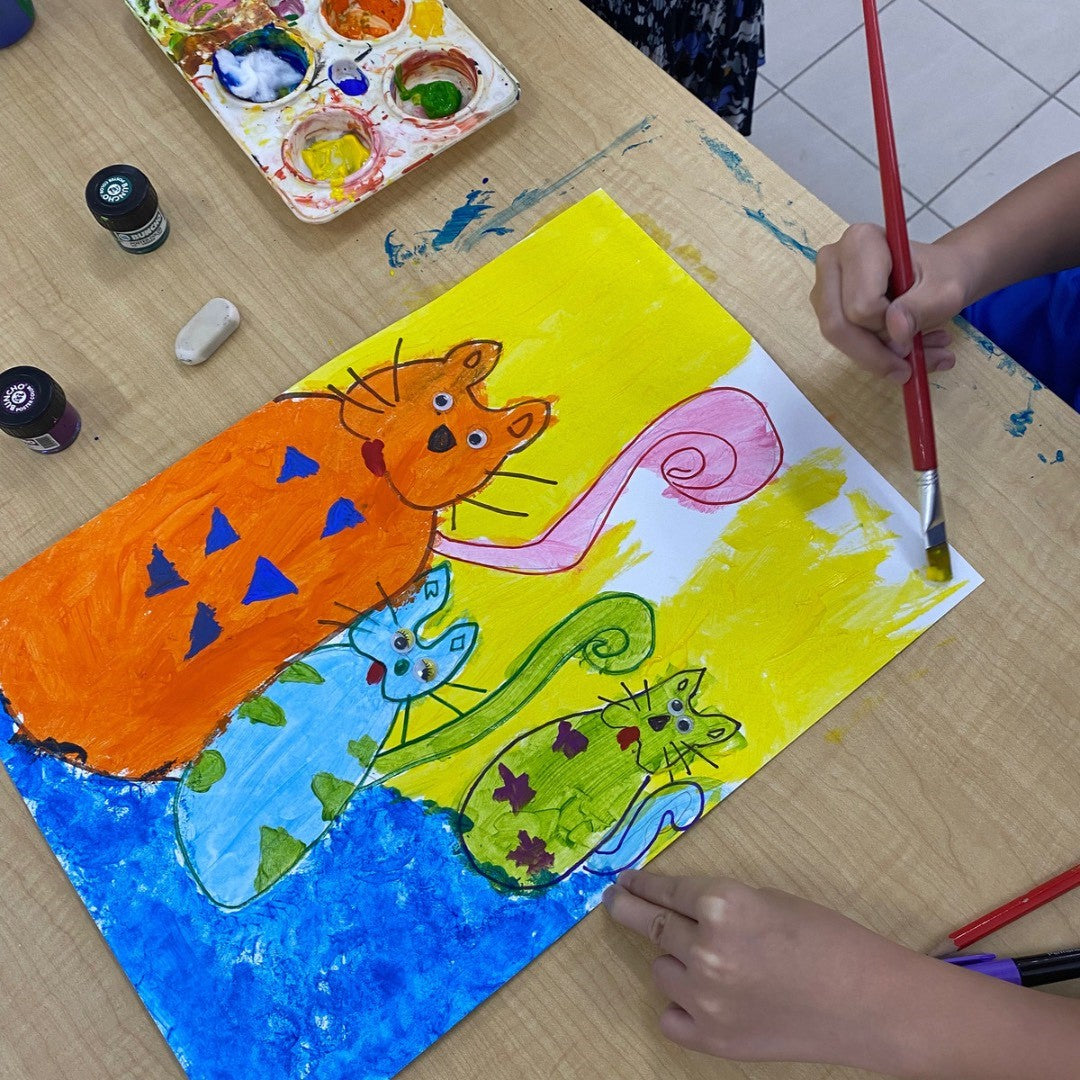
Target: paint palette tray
<point>333,99</point>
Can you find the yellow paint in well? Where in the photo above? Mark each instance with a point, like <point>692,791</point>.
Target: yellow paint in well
<point>336,159</point>
<point>427,18</point>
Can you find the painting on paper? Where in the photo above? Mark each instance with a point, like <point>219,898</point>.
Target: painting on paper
<point>361,705</point>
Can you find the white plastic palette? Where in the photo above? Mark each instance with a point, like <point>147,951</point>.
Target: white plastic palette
<point>351,58</point>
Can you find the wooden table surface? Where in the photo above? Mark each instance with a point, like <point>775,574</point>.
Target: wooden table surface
<point>951,784</point>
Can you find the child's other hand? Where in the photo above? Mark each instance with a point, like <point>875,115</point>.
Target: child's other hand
<point>758,975</point>
<point>850,297</point>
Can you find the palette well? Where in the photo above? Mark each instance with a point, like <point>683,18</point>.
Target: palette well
<point>333,99</point>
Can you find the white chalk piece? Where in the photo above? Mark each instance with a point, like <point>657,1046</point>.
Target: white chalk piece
<point>207,331</point>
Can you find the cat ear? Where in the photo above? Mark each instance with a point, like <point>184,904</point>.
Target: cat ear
<point>525,422</point>
<point>686,683</point>
<point>472,361</point>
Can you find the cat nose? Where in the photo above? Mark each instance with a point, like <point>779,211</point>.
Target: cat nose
<point>441,440</point>
<point>657,723</point>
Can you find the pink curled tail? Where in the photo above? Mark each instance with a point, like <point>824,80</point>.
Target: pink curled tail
<point>713,449</point>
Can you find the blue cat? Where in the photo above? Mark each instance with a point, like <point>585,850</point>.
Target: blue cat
<point>271,785</point>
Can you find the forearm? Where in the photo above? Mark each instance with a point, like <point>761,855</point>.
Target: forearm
<point>1033,230</point>
<point>948,1024</point>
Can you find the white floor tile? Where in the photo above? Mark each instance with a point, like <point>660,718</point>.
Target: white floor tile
<point>926,227</point>
<point>763,90</point>
<point>821,162</point>
<point>1070,94</point>
<point>1039,36</point>
<point>797,32</point>
<point>951,98</point>
<point>1049,135</point>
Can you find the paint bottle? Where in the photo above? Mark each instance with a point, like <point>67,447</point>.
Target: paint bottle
<point>16,18</point>
<point>124,201</point>
<point>35,409</point>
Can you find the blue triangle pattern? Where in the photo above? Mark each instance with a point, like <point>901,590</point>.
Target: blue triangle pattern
<point>342,515</point>
<point>204,629</point>
<point>267,583</point>
<point>221,533</point>
<point>296,465</point>
<point>163,574</point>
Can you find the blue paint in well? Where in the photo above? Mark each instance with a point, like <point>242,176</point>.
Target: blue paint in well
<point>296,466</point>
<point>221,534</point>
<point>267,583</point>
<point>342,515</point>
<point>164,577</point>
<point>351,966</point>
<point>204,630</point>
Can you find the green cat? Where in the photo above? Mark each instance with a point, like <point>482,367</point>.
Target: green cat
<point>576,787</point>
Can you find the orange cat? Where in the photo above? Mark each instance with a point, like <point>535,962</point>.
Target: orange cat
<point>128,643</point>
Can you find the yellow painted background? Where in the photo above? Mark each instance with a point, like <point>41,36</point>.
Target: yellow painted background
<point>787,616</point>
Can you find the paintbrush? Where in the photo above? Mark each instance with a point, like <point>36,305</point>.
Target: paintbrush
<point>920,420</point>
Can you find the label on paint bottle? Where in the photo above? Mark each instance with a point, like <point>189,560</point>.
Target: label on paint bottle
<point>146,237</point>
<point>42,444</point>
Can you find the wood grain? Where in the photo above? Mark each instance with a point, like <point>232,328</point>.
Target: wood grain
<point>953,784</point>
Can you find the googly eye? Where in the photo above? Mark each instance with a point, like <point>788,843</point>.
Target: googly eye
<point>443,402</point>
<point>426,670</point>
<point>477,439</point>
<point>676,706</point>
<point>684,725</point>
<point>402,641</point>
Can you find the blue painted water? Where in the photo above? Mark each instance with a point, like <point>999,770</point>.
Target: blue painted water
<point>351,966</point>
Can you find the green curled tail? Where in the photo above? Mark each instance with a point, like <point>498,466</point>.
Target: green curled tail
<point>614,633</point>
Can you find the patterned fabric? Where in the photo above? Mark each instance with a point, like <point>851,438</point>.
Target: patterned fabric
<point>713,47</point>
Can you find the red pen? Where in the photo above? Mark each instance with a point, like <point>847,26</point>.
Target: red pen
<point>920,420</point>
<point>1010,912</point>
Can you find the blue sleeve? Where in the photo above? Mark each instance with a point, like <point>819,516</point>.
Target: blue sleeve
<point>1037,322</point>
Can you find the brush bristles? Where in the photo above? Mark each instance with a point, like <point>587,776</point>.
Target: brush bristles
<point>938,563</point>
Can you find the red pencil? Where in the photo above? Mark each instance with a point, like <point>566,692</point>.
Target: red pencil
<point>920,420</point>
<point>1010,912</point>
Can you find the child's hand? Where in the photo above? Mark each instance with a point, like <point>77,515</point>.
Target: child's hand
<point>850,297</point>
<point>758,975</point>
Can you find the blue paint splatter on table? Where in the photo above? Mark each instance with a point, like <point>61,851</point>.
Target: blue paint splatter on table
<point>785,238</point>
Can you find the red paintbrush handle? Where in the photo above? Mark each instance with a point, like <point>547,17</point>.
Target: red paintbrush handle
<point>920,420</point>
<point>1010,912</point>
<point>917,389</point>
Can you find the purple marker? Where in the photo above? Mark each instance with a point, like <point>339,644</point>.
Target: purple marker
<point>1035,970</point>
<point>35,409</point>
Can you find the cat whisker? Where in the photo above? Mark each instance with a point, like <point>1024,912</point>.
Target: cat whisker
<point>609,701</point>
<point>333,622</point>
<point>386,600</point>
<point>630,695</point>
<point>648,699</point>
<point>355,611</point>
<point>351,400</point>
<point>695,750</point>
<point>463,686</point>
<point>522,476</point>
<point>496,509</point>
<point>453,517</point>
<point>443,701</point>
<point>678,754</point>
<point>667,762</point>
<point>370,389</point>
<point>394,369</point>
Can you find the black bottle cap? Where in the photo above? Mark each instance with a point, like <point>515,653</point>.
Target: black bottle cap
<point>121,198</point>
<point>30,402</point>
